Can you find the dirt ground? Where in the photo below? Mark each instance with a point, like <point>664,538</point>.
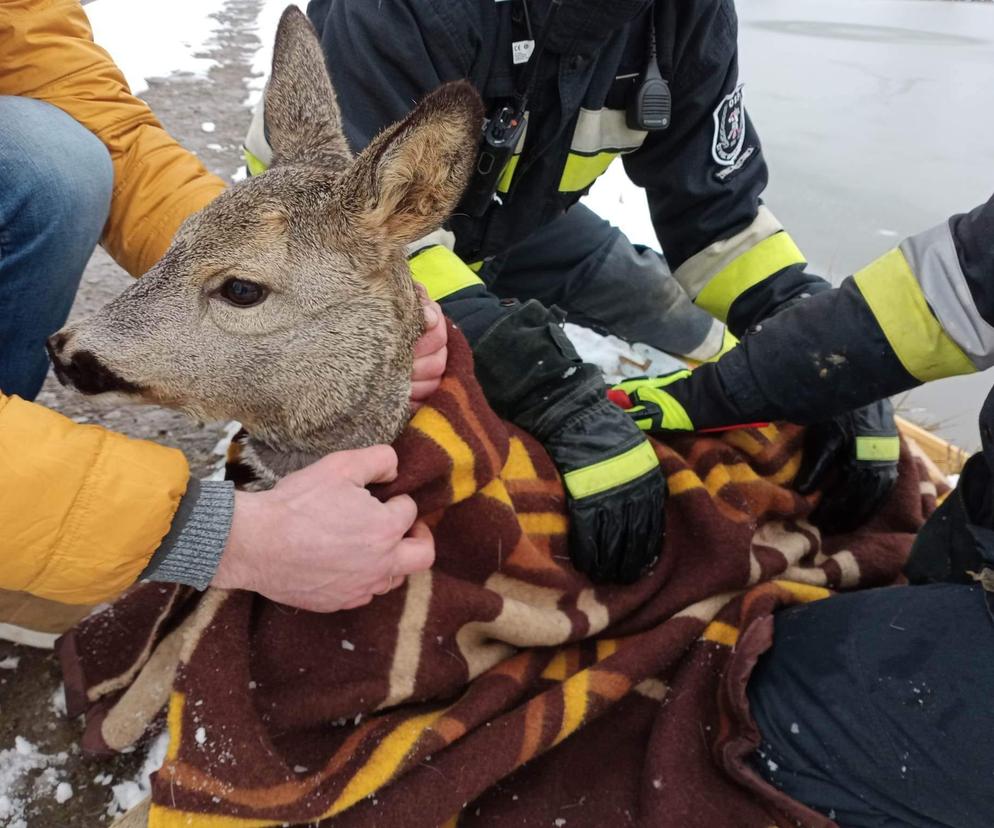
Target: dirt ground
<point>182,103</point>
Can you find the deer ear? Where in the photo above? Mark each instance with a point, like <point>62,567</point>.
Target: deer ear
<point>303,121</point>
<point>411,176</point>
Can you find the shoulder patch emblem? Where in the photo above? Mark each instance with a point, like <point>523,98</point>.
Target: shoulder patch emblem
<point>729,129</point>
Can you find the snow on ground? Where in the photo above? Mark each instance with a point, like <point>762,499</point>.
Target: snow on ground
<point>617,359</point>
<point>27,774</point>
<point>615,198</point>
<point>176,32</point>
<point>130,792</point>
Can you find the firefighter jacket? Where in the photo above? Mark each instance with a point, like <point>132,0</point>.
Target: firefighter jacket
<point>923,311</point>
<point>703,176</point>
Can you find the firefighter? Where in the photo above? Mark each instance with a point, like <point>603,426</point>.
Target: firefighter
<point>874,706</point>
<point>570,86</point>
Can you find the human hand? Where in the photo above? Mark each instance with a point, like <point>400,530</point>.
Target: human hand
<point>616,498</point>
<point>319,540</point>
<point>649,406</point>
<point>430,352</point>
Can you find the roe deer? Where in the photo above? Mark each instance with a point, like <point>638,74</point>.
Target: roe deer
<point>287,302</point>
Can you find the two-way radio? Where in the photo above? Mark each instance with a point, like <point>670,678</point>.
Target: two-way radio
<point>649,108</point>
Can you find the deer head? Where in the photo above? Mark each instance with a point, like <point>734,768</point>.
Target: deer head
<point>287,302</point>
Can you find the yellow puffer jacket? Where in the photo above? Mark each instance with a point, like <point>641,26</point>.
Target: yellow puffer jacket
<point>82,509</point>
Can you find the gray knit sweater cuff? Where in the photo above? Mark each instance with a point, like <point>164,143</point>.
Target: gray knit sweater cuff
<point>191,552</point>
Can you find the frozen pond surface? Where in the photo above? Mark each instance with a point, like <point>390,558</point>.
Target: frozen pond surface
<point>877,120</point>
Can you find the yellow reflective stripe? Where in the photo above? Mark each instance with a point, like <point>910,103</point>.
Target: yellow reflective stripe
<point>757,264</point>
<point>255,166</point>
<point>896,301</point>
<point>504,182</point>
<point>441,272</point>
<point>878,448</point>
<point>675,416</point>
<point>475,266</point>
<point>583,170</point>
<point>615,471</point>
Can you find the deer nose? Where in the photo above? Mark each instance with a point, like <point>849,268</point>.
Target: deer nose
<point>56,344</point>
<point>83,370</point>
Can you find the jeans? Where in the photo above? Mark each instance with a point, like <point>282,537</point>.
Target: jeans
<point>875,707</point>
<point>55,188</point>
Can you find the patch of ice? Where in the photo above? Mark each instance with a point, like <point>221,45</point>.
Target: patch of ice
<point>200,735</point>
<point>63,792</point>
<point>208,126</point>
<point>10,663</point>
<point>347,645</point>
<point>617,199</point>
<point>182,28</point>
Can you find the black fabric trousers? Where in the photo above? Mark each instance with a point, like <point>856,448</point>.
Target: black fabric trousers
<point>877,708</point>
<point>589,269</point>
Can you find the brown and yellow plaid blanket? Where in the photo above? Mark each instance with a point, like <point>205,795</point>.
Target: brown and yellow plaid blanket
<point>500,688</point>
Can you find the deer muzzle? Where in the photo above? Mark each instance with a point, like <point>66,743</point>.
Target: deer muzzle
<point>82,370</point>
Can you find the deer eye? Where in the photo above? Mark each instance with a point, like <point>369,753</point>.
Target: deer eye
<point>242,293</point>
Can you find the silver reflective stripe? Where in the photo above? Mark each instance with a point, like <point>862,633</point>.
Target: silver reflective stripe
<point>712,344</point>
<point>600,130</point>
<point>442,237</point>
<point>702,267</point>
<point>255,140</point>
<point>935,263</point>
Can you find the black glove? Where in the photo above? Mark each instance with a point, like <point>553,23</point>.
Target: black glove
<point>532,375</point>
<point>862,447</point>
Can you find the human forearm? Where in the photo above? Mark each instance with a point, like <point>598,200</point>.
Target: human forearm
<point>921,312</point>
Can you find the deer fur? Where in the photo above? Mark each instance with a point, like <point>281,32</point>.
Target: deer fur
<point>323,363</point>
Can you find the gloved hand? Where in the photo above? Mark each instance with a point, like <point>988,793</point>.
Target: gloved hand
<point>616,492</point>
<point>649,406</point>
<point>532,375</point>
<point>664,403</point>
<point>862,447</point>
<point>853,457</point>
